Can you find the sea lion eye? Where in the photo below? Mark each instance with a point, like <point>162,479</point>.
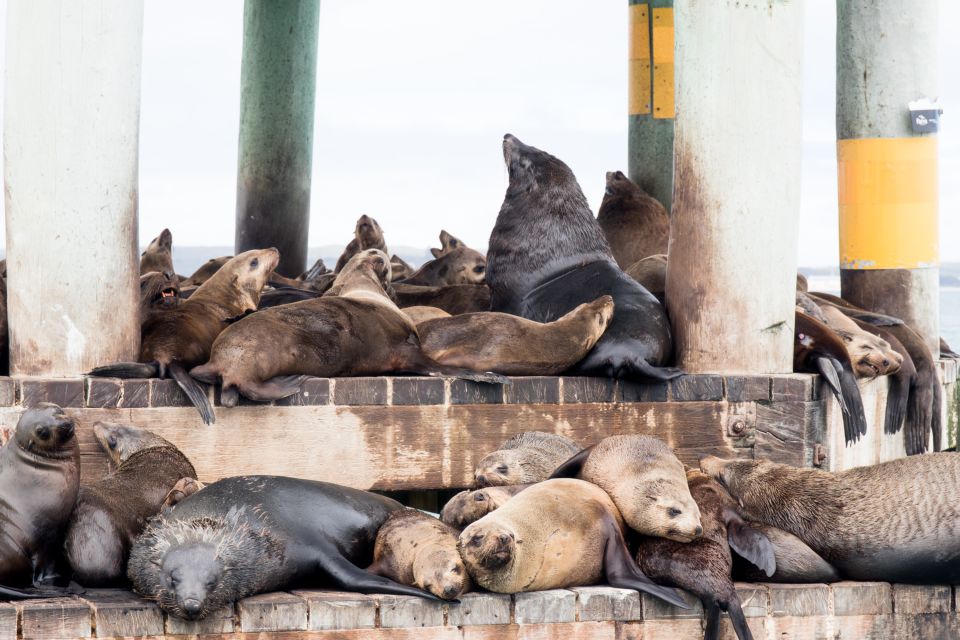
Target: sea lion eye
<point>476,540</point>
<point>502,469</point>
<point>479,496</point>
<point>479,268</point>
<point>112,441</point>
<point>673,512</point>
<point>43,433</point>
<point>255,263</point>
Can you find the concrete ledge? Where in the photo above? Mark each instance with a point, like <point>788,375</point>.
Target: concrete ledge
<point>843,610</point>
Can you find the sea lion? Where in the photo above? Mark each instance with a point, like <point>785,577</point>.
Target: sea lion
<point>366,235</point>
<point>704,566</point>
<point>515,346</point>
<point>158,255</point>
<point>796,562</point>
<point>462,265</point>
<point>646,482</point>
<point>870,355</point>
<point>527,457</point>
<point>899,383</point>
<point>176,340</point>
<point>421,314</point>
<point>318,269</point>
<point>447,244</point>
<point>556,534</point>
<point>651,273</point>
<point>39,480</point>
<point>353,330</point>
<point>205,271</point>
<point>469,506</point>
<point>454,299</point>
<point>547,254</point>
<point>112,512</point>
<point>399,268</point>
<point>249,534</point>
<point>418,550</point>
<point>159,291</point>
<point>635,224</point>
<point>880,522</point>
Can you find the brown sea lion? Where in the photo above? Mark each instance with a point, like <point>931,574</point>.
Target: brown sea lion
<point>880,522</point>
<point>421,314</point>
<point>636,225</point>
<point>462,265</point>
<point>515,346</point>
<point>527,457</point>
<point>181,338</point>
<point>454,299</point>
<point>158,292</point>
<point>366,235</point>
<point>399,268</point>
<point>447,244</point>
<point>158,255</point>
<point>704,566</point>
<point>418,550</point>
<point>556,534</point>
<point>651,273</point>
<point>899,383</point>
<point>646,482</point>
<point>796,562</point>
<point>870,355</point>
<point>469,506</point>
<point>205,272</point>
<point>318,269</point>
<point>39,480</point>
<point>111,512</point>
<point>353,330</point>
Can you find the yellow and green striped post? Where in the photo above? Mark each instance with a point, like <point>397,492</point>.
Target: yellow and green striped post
<point>887,173</point>
<point>651,97</point>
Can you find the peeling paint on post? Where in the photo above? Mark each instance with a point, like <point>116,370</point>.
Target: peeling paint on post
<point>736,192</point>
<point>278,81</point>
<point>71,136</point>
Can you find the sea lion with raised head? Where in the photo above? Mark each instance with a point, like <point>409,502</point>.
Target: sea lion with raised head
<point>469,506</point>
<point>880,522</point>
<point>515,346</point>
<point>462,265</point>
<point>112,512</point>
<point>418,550</point>
<point>646,482</point>
<point>158,255</point>
<point>635,224</point>
<point>448,243</point>
<point>250,534</point>
<point>527,457</point>
<point>547,255</point>
<point>366,235</point>
<point>556,534</point>
<point>399,268</point>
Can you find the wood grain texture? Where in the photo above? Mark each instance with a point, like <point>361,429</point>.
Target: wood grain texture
<point>120,613</point>
<point>55,618</point>
<point>273,612</point>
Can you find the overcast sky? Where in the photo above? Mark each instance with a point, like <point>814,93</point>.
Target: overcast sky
<point>413,99</point>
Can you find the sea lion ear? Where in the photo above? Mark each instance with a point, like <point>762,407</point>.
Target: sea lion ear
<point>749,543</point>
<point>435,253</point>
<point>571,468</point>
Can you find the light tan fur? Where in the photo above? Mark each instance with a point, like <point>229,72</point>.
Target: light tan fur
<point>469,506</point>
<point>871,355</point>
<point>527,457</point>
<point>420,313</point>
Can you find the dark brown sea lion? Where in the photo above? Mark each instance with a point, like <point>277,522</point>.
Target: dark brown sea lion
<point>646,482</point>
<point>555,534</point>
<point>547,254</point>
<point>447,244</point>
<point>418,550</point>
<point>205,272</point>
<point>39,480</point>
<point>527,457</point>
<point>515,346</point>
<point>366,235</point>
<point>158,255</point>
<point>176,340</point>
<point>880,522</point>
<point>249,534</point>
<point>462,265</point>
<point>636,225</point>
<point>158,292</point>
<point>651,273</point>
<point>796,562</point>
<point>469,506</point>
<point>704,566</point>
<point>353,330</point>
<point>112,512</point>
<point>455,299</point>
<point>399,268</point>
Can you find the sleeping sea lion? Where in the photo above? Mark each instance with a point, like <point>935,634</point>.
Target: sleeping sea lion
<point>635,224</point>
<point>556,534</point>
<point>366,235</point>
<point>547,255</point>
<point>870,355</point>
<point>469,506</point>
<point>158,255</point>
<point>527,457</point>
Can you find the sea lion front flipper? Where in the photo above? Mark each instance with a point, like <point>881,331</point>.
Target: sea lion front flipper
<point>737,619</point>
<point>344,574</point>
<point>622,571</point>
<point>712,614</point>
<point>126,370</point>
<point>751,544</point>
<point>184,488</point>
<point>828,368</point>
<point>854,421</point>
<point>196,393</point>
<point>571,468</point>
<point>898,394</point>
<point>275,388</point>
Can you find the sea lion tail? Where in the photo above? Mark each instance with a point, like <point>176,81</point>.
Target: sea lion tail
<point>196,393</point>
<point>127,370</point>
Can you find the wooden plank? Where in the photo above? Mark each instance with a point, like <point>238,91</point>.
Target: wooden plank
<point>339,610</point>
<point>272,612</point>
<point>8,621</point>
<point>607,603</point>
<point>55,618</point>
<point>554,605</point>
<point>480,609</point>
<point>567,631</point>
<point>220,621</point>
<point>402,612</point>
<point>864,598</point>
<point>915,599</point>
<point>120,613</point>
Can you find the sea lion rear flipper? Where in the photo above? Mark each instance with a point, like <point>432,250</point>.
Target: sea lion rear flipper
<point>184,488</point>
<point>622,571</point>
<point>712,614</point>
<point>196,393</point>
<point>751,544</point>
<point>126,370</point>
<point>828,368</point>
<point>37,593</point>
<point>737,619</point>
<point>344,574</point>
<point>275,388</point>
<point>571,468</point>
<point>643,369</point>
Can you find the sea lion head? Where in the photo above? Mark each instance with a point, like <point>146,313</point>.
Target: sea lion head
<point>191,573</point>
<point>732,474</point>
<point>163,242</point>
<point>366,275</point>
<point>243,276</point>
<point>532,170</point>
<point>618,184</point>
<point>159,290</point>
<point>158,254</point>
<point>46,431</point>
<point>441,571</point>
<point>601,313</point>
<point>468,506</point>
<point>488,545</point>
<point>122,441</point>
<point>665,508</point>
<point>465,266</point>
<point>871,355</point>
<point>502,467</point>
<point>447,244</point>
<point>368,232</point>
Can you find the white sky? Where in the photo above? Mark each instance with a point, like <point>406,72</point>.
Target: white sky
<point>414,97</point>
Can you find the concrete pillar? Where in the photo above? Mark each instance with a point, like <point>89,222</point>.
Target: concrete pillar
<point>651,98</point>
<point>71,127</point>
<point>736,193</point>
<point>887,57</point>
<point>277,81</point>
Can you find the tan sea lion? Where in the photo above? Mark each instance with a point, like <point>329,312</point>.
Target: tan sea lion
<point>399,268</point>
<point>515,346</point>
<point>646,482</point>
<point>366,235</point>
<point>181,338</point>
<point>469,506</point>
<point>421,314</point>
<point>159,254</point>
<point>462,265</point>
<point>636,224</point>
<point>454,299</point>
<point>447,244</point>
<point>527,457</point>
<point>205,272</point>
<point>651,272</point>
<point>870,355</point>
<point>881,522</point>
<point>418,550</point>
<point>556,534</point>
<point>111,512</point>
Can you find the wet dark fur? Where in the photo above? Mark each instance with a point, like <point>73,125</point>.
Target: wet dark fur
<point>454,299</point>
<point>152,287</point>
<point>635,224</point>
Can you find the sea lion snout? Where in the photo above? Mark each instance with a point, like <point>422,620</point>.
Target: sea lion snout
<point>491,548</point>
<point>713,467</point>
